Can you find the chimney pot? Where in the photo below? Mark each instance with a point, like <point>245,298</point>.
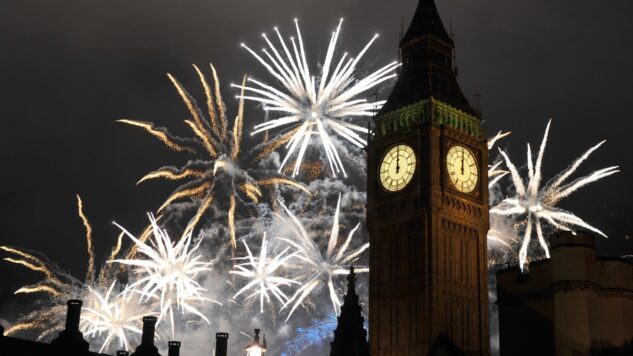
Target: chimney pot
<point>73,314</point>
<point>149,327</point>
<point>174,348</point>
<point>221,340</point>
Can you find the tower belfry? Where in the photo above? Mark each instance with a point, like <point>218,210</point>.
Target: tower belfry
<point>428,67</point>
<point>427,205</point>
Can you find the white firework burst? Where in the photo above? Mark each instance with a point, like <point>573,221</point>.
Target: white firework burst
<point>537,204</point>
<point>111,316</point>
<point>494,173</point>
<point>169,273</point>
<point>314,268</point>
<point>262,272</point>
<point>310,106</point>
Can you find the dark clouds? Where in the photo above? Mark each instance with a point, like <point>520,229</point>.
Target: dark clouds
<point>68,69</point>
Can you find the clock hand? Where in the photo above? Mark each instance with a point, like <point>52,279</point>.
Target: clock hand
<point>462,164</point>
<point>398,160</point>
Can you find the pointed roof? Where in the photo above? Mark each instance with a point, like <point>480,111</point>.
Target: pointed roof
<point>350,336</point>
<point>427,64</point>
<point>443,346</point>
<point>426,21</point>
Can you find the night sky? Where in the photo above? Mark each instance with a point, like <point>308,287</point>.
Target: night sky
<point>69,69</point>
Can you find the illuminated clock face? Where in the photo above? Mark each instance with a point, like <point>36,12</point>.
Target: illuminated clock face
<point>462,168</point>
<point>397,168</point>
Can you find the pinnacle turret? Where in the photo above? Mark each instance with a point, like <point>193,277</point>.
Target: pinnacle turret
<point>350,336</point>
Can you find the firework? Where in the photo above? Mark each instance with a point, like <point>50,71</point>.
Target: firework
<point>218,151</point>
<point>316,269</point>
<point>58,286</point>
<point>494,173</point>
<point>536,204</point>
<point>169,272</point>
<point>262,274</point>
<point>496,235</point>
<point>310,106</point>
<point>112,316</point>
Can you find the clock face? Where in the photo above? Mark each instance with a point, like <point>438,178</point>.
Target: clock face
<point>462,168</point>
<point>397,167</point>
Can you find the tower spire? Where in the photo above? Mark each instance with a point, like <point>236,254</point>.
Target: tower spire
<point>350,336</point>
<point>428,68</point>
<point>426,21</point>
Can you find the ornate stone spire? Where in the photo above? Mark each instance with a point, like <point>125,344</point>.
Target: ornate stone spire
<point>428,68</point>
<point>350,336</point>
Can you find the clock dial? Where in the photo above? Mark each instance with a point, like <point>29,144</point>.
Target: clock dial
<point>462,169</point>
<point>397,168</point>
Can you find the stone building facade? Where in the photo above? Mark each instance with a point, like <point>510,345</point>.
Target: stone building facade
<point>573,304</point>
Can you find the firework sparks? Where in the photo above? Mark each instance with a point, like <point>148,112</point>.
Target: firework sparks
<point>494,173</point>
<point>111,316</point>
<point>316,269</point>
<point>218,151</point>
<point>310,106</point>
<point>57,285</point>
<point>538,204</point>
<point>262,274</point>
<point>169,273</point>
<point>496,236</point>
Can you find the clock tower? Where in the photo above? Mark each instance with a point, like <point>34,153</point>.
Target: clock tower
<point>427,209</point>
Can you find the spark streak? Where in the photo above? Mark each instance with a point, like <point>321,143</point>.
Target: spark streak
<point>314,107</point>
<point>219,154</point>
<point>169,273</point>
<point>538,204</point>
<point>316,269</point>
<point>261,272</point>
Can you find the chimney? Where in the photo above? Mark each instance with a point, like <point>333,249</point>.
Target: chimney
<point>71,340</point>
<point>174,348</point>
<point>122,353</point>
<point>147,348</point>
<point>73,314</point>
<point>149,327</point>
<point>221,340</point>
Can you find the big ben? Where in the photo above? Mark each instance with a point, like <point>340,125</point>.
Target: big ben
<point>427,205</point>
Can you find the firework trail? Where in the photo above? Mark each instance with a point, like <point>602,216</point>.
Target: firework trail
<point>314,268</point>
<point>497,234</point>
<point>536,204</point>
<point>494,173</point>
<point>58,286</point>
<point>261,272</point>
<point>218,151</point>
<point>169,273</point>
<point>310,106</point>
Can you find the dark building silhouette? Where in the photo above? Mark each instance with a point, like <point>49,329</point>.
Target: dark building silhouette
<point>221,340</point>
<point>147,348</point>
<point>174,348</point>
<point>427,205</point>
<point>69,342</point>
<point>444,347</point>
<point>350,336</point>
<point>573,304</point>
<point>71,339</point>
